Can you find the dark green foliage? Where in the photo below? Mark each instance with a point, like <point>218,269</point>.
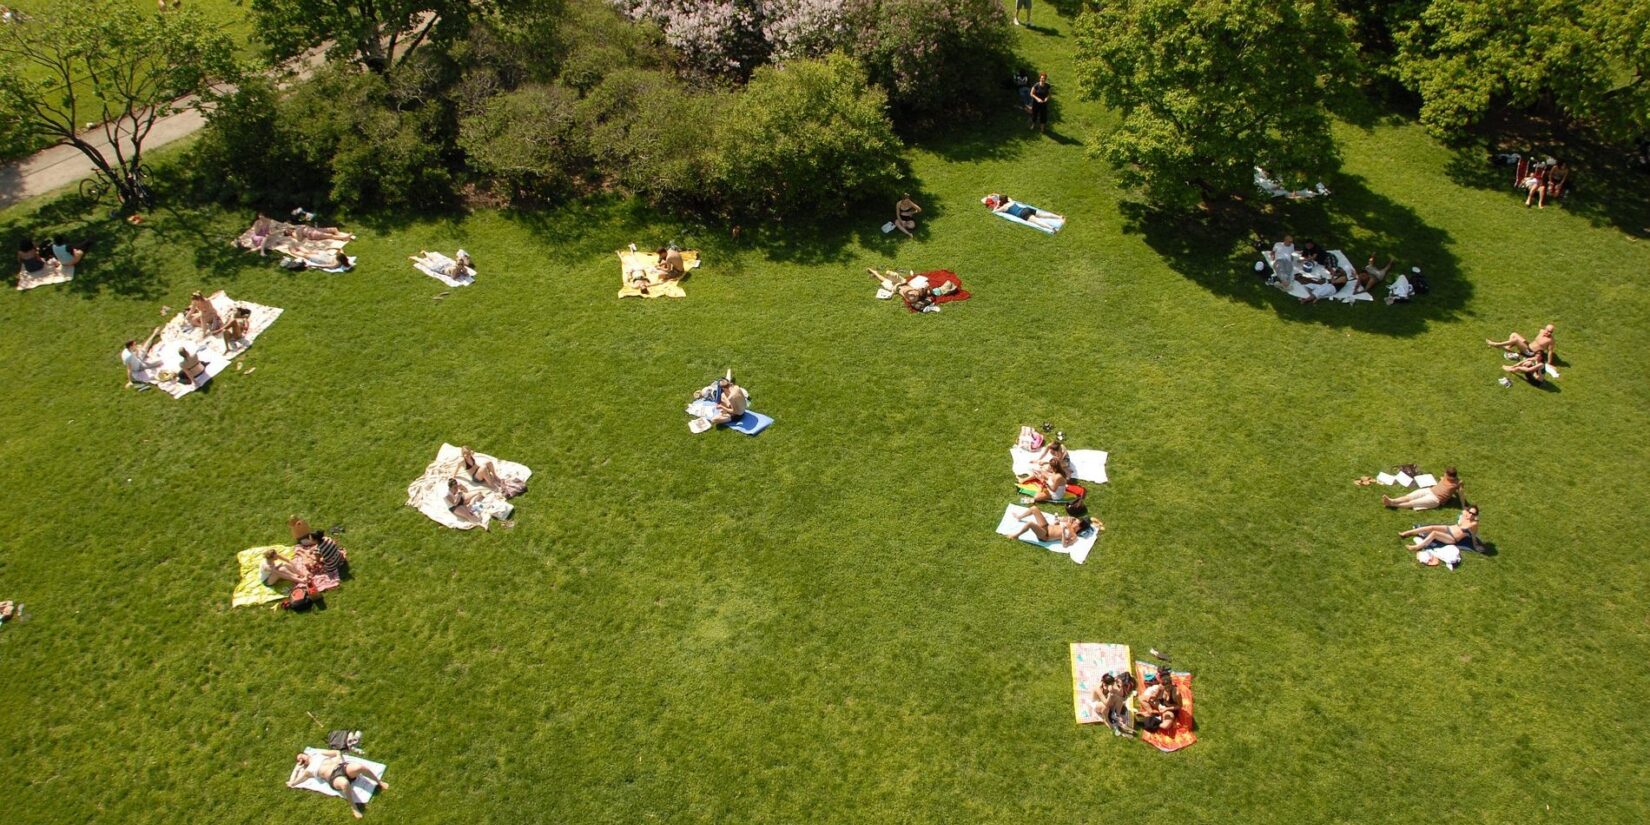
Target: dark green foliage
<point>939,60</point>
<point>527,140</point>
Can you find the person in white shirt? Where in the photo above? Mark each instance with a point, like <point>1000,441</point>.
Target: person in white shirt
<point>140,368</point>
<point>1283,259</point>
<point>68,256</point>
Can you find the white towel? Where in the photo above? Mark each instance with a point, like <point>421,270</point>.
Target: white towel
<point>1386,478</point>
<point>1079,550</point>
<point>1425,480</point>
<point>428,493</point>
<point>360,790</point>
<point>448,280</point>
<point>1089,465</point>
<point>211,351</point>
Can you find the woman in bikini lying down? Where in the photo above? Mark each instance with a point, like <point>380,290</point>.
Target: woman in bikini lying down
<point>335,769</point>
<point>458,266</point>
<point>1064,529</point>
<point>486,473</point>
<point>319,233</point>
<point>1463,531</point>
<point>1030,214</point>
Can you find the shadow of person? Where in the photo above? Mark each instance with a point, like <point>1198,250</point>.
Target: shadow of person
<point>1217,251</point>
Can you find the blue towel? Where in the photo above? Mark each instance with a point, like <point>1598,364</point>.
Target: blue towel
<point>750,423</point>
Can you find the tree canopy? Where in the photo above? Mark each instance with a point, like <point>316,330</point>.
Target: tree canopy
<point>374,33</point>
<point>1209,89</point>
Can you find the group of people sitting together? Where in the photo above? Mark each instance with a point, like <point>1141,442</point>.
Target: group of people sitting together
<point>142,367</point>
<point>1319,272</point>
<point>267,233</point>
<point>1540,179</point>
<point>316,555</point>
<point>63,257</point>
<point>670,267</point>
<point>466,506</point>
<point>1531,358</point>
<point>1157,709</point>
<point>915,290</point>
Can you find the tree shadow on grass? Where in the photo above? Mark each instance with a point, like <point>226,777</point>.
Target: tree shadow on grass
<point>1605,185</point>
<point>1219,254</point>
<point>1002,136</point>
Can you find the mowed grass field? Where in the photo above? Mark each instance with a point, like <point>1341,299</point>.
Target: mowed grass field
<point>818,624</point>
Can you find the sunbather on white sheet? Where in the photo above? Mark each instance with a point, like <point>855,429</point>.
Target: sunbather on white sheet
<point>1064,529</point>
<point>334,769</point>
<point>486,473</point>
<point>456,267</point>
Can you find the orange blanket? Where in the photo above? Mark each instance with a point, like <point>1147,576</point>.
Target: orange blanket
<point>1183,734</point>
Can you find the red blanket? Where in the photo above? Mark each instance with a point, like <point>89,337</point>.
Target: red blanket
<point>937,278</point>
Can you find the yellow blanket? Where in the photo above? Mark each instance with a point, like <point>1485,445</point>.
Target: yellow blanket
<point>250,589</point>
<point>632,264</point>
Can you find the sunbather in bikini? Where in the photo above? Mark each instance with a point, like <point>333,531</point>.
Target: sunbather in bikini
<point>1056,457</point>
<point>330,260</point>
<point>265,231</point>
<point>1515,344</point>
<point>338,772</point>
<point>319,233</point>
<point>1464,530</point>
<point>486,473</point>
<point>202,315</point>
<point>273,570</point>
<point>190,369</point>
<point>1064,529</point>
<point>459,266</point>
<point>1435,496</point>
<point>1030,214</point>
<point>460,504</point>
<point>234,332</point>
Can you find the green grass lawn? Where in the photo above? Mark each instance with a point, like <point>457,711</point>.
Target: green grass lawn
<point>818,625</point>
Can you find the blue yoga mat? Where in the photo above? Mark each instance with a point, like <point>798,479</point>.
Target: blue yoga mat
<point>750,423</point>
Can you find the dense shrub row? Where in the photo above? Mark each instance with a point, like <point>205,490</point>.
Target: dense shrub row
<point>578,97</point>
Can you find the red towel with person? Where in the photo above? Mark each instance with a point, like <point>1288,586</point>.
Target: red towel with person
<point>938,278</point>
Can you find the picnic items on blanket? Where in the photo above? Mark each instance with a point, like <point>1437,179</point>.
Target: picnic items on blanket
<point>1448,555</point>
<point>52,273</point>
<point>428,493</point>
<point>250,588</point>
<point>639,276</point>
<point>1024,214</point>
<point>1184,734</point>
<point>1348,293</point>
<point>1078,551</point>
<point>1272,188</point>
<point>1089,662</point>
<point>438,266</point>
<point>207,346</point>
<point>361,789</point>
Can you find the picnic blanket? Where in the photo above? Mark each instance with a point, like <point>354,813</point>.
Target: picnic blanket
<point>446,279</point>
<point>1089,465</point>
<point>213,354</point>
<point>360,790</point>
<point>938,277</point>
<point>1033,487</point>
<point>47,275</point>
<point>279,241</point>
<point>751,423</point>
<point>428,493</point>
<point>1089,662</point>
<point>1264,183</point>
<point>1055,223</point>
<point>250,588</point>
<point>1078,551</point>
<point>1183,735</point>
<point>644,262</point>
<point>1347,294</point>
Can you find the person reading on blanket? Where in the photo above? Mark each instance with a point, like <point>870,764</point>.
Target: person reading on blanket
<point>486,474</point>
<point>202,315</point>
<point>1463,531</point>
<point>458,266</point>
<point>190,368</point>
<point>1432,497</point>
<point>1055,457</point>
<point>998,202</point>
<point>272,570</point>
<point>732,404</point>
<point>671,267</point>
<point>1515,344</point>
<point>320,552</point>
<point>140,368</point>
<point>1159,703</point>
<point>335,770</point>
<point>1064,529</point>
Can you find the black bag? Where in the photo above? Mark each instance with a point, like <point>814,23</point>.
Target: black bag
<point>1420,284</point>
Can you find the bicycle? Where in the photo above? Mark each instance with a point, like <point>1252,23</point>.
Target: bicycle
<point>93,189</point>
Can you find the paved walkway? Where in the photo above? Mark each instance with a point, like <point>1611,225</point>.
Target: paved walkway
<point>63,165</point>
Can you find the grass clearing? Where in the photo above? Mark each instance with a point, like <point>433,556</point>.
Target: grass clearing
<point>818,624</point>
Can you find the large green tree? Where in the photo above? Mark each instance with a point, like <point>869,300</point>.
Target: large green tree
<point>104,63</point>
<point>1590,59</point>
<point>1208,89</point>
<point>377,34</point>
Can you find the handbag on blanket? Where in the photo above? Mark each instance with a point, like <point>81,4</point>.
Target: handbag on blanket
<point>1030,439</point>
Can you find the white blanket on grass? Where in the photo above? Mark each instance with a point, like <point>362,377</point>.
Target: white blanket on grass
<point>1271,187</point>
<point>1347,294</point>
<point>1090,465</point>
<point>46,276</point>
<point>210,349</point>
<point>1078,551</point>
<point>360,790</point>
<point>428,493</point>
<point>449,280</point>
